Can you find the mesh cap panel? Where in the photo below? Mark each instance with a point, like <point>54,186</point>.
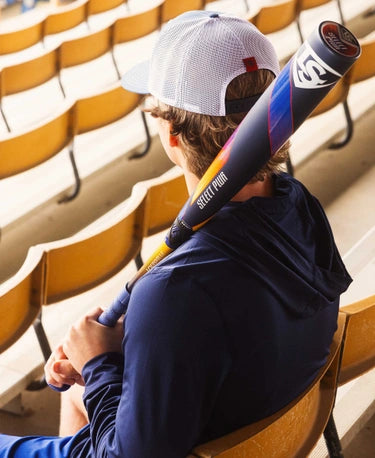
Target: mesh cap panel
<point>198,54</point>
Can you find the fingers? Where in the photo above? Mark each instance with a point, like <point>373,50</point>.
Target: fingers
<point>59,371</point>
<point>66,373</point>
<point>95,314</point>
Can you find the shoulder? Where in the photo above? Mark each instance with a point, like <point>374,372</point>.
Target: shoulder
<point>167,304</point>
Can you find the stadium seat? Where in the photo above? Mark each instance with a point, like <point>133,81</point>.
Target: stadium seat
<point>84,49</point>
<point>21,307</point>
<point>23,150</point>
<point>294,430</point>
<point>27,75</point>
<point>166,196</point>
<point>359,345</point>
<point>18,39</point>
<point>98,110</point>
<point>308,4</point>
<point>358,354</point>
<point>364,67</point>
<point>338,95</point>
<point>99,6</point>
<point>78,263</point>
<point>134,26</point>
<point>275,16</point>
<point>66,17</point>
<point>21,298</point>
<point>29,148</point>
<point>137,25</point>
<point>171,8</point>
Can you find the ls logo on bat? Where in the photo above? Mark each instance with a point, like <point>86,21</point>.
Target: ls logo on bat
<point>311,72</point>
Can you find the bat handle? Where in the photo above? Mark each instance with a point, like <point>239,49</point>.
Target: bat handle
<point>108,318</point>
<point>118,307</point>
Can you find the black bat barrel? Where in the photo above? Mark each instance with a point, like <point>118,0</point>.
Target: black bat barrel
<point>311,73</point>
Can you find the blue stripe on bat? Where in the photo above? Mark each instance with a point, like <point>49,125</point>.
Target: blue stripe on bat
<point>280,115</point>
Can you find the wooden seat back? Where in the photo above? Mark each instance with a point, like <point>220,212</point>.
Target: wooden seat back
<point>26,149</point>
<point>78,263</point>
<point>359,340</point>
<point>276,16</point>
<point>18,39</point>
<point>66,17</point>
<point>21,298</point>
<point>137,25</point>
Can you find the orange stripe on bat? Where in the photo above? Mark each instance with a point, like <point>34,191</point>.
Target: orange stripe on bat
<point>218,163</point>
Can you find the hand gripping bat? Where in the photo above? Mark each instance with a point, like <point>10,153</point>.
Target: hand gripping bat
<point>304,81</point>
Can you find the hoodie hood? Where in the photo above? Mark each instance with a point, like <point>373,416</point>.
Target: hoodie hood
<point>287,243</point>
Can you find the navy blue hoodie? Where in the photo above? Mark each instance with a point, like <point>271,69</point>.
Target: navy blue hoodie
<point>225,331</point>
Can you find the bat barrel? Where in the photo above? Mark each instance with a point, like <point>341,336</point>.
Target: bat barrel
<point>302,84</point>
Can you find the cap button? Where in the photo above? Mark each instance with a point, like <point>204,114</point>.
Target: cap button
<point>214,15</point>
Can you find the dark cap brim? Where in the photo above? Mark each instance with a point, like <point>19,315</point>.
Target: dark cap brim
<point>136,79</point>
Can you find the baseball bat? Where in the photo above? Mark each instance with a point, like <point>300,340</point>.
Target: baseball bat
<point>314,69</point>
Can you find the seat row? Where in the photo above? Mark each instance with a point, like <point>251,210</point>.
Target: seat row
<point>269,18</point>
<point>34,72</point>
<point>22,150</point>
<point>278,15</point>
<point>74,14</point>
<point>28,148</point>
<point>57,270</point>
<point>57,20</point>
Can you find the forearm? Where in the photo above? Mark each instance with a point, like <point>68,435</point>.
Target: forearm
<point>103,386</point>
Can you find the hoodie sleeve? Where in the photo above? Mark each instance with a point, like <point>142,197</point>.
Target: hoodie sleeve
<point>156,402</point>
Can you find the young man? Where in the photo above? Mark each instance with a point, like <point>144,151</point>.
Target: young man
<point>237,321</point>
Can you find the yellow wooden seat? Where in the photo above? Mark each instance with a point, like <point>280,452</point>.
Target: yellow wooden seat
<point>102,108</point>
<point>291,432</point>
<point>98,110</point>
<point>308,4</point>
<point>173,8</point>
<point>358,354</point>
<point>83,49</point>
<point>66,17</point>
<point>99,6</point>
<point>23,150</point>
<point>21,298</point>
<point>134,26</point>
<point>364,67</point>
<point>18,39</point>
<point>275,16</point>
<point>359,344</point>
<point>78,263</point>
<point>336,96</point>
<point>137,25</point>
<point>166,196</point>
<point>27,75</point>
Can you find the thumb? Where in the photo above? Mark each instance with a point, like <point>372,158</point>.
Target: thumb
<point>95,314</point>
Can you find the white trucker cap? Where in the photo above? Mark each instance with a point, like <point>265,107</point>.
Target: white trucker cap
<point>196,56</point>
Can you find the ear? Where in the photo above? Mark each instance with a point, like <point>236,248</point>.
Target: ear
<point>173,140</point>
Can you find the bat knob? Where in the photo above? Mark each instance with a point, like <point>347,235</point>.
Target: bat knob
<point>59,389</point>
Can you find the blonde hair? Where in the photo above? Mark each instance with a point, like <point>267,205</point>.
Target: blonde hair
<point>203,136</point>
